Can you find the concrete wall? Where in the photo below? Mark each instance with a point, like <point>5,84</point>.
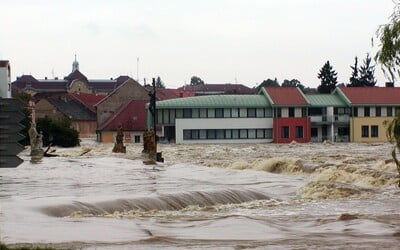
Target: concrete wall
<point>222,123</point>
<point>5,80</point>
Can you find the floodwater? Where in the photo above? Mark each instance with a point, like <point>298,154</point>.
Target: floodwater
<point>247,196</point>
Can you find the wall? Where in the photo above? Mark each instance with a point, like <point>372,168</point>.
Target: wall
<point>356,132</point>
<point>291,123</point>
<point>77,86</point>
<point>109,136</point>
<point>5,82</point>
<point>222,123</point>
<point>130,90</point>
<point>44,108</point>
<point>85,128</point>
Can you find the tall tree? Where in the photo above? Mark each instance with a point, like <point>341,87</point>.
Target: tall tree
<point>367,71</point>
<point>354,79</point>
<point>195,80</point>
<point>159,83</point>
<point>328,79</point>
<point>388,54</point>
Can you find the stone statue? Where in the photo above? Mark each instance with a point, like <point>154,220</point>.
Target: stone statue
<point>36,140</point>
<point>119,141</point>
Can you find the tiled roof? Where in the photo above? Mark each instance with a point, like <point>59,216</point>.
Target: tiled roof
<point>132,117</point>
<point>88,100</point>
<point>285,96</point>
<point>371,95</point>
<point>73,109</point>
<point>166,94</point>
<point>76,75</point>
<point>216,101</point>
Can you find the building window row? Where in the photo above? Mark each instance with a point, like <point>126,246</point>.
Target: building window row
<point>365,131</point>
<point>168,116</point>
<point>226,134</point>
<point>285,132</point>
<point>390,111</point>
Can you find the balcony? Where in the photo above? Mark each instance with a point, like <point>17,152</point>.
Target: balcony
<point>329,119</point>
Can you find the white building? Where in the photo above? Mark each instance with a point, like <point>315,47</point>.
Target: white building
<point>5,79</point>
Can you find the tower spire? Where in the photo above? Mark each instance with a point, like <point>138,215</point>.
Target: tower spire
<point>75,65</point>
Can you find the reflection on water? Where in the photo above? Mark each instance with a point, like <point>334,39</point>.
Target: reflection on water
<point>258,196</point>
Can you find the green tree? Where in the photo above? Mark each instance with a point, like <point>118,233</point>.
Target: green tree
<point>354,79</point>
<point>268,83</point>
<point>388,54</point>
<point>195,80</point>
<point>367,71</point>
<point>159,83</point>
<point>293,83</point>
<point>328,79</point>
<point>393,135</point>
<point>58,132</point>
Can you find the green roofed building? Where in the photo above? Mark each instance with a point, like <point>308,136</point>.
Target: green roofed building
<point>329,116</point>
<point>216,119</point>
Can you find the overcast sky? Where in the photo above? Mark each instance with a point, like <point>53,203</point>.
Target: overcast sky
<point>221,41</point>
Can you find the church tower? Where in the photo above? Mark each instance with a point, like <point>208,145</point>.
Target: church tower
<point>75,65</point>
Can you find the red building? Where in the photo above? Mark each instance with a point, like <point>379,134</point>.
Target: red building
<point>291,122</point>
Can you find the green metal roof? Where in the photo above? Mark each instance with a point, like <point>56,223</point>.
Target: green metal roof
<point>325,100</point>
<point>215,101</point>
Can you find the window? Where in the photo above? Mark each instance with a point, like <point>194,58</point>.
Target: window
<point>243,113</point>
<point>203,113</point>
<point>389,111</point>
<point>227,113</point>
<point>235,112</point>
<point>179,113</point>
<point>243,133</point>
<point>378,112</point>
<point>251,134</point>
<point>291,112</point>
<point>211,113</point>
<point>268,133</point>
<point>195,134</point>
<point>374,131</point>
<point>355,113</point>
<point>187,113</point>
<point>260,133</point>
<point>260,112</point>
<point>278,112</point>
<point>195,113</point>
<point>172,116</point>
<point>137,138</point>
<point>211,134</point>
<point>299,131</point>
<point>203,134</point>
<point>166,116</point>
<point>219,113</point>
<point>366,112</point>
<point>314,132</point>
<point>285,132</point>
<point>159,117</point>
<point>268,112</point>
<point>187,134</point>
<point>364,131</point>
<point>235,133</point>
<point>303,112</point>
<point>220,134</point>
<point>228,134</point>
<point>251,112</point>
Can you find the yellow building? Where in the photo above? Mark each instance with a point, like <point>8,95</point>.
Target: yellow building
<point>370,107</point>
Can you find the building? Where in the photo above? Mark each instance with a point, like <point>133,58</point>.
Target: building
<point>370,108</point>
<point>291,122</point>
<point>5,79</point>
<point>75,82</point>
<point>216,119</point>
<point>219,89</point>
<point>329,116</point>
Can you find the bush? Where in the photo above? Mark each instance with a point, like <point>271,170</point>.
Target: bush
<point>58,132</point>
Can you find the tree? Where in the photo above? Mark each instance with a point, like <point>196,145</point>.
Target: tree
<point>367,78</point>
<point>354,79</point>
<point>328,79</point>
<point>293,83</point>
<point>58,133</point>
<point>195,80</point>
<point>388,54</point>
<point>393,135</point>
<point>268,83</point>
<point>159,83</point>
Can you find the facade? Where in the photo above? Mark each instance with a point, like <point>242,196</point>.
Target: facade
<point>370,108</point>
<point>216,119</point>
<point>82,119</point>
<point>5,79</point>
<point>329,116</point>
<point>291,122</point>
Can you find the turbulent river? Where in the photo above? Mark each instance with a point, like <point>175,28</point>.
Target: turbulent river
<point>245,196</point>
